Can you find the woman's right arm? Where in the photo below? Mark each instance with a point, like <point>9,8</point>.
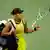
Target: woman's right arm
<point>8,29</point>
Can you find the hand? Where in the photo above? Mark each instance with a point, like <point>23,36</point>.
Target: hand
<point>37,27</point>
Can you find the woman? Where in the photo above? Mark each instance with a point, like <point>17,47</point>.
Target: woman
<point>21,27</point>
<point>7,36</point>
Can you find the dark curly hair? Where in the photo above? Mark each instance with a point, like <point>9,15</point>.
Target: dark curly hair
<point>16,10</point>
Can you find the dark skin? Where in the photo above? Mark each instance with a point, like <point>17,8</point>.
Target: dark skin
<point>28,30</point>
<point>18,17</point>
<point>6,32</point>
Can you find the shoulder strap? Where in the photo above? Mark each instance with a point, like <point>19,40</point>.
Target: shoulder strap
<point>24,23</point>
<point>13,23</point>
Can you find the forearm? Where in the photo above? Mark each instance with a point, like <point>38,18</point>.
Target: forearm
<point>8,33</point>
<point>8,30</point>
<point>28,30</point>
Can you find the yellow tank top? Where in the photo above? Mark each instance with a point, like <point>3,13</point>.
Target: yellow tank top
<point>19,30</point>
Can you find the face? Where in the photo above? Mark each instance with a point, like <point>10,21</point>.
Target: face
<point>19,16</point>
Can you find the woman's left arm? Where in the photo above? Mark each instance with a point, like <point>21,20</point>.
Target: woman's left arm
<point>28,30</point>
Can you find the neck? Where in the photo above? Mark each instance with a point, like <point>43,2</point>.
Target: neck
<point>17,20</point>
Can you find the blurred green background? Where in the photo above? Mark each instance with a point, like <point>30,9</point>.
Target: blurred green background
<point>39,40</point>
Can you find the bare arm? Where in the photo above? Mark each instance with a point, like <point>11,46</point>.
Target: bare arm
<point>6,31</point>
<point>28,30</point>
